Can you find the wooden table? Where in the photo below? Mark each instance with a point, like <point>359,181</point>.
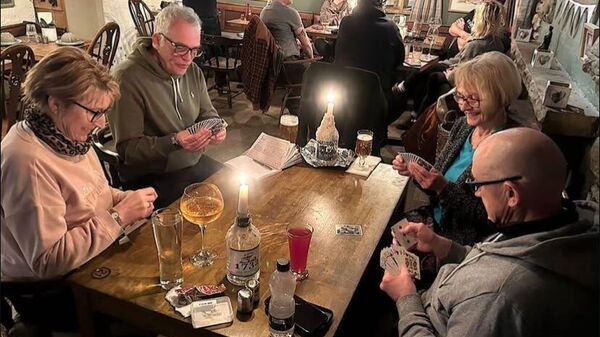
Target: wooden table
<point>317,31</point>
<point>239,23</point>
<point>40,50</point>
<point>423,65</point>
<point>321,197</point>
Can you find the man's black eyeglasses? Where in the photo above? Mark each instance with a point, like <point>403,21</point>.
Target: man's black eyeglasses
<point>182,50</point>
<point>475,185</point>
<point>95,114</point>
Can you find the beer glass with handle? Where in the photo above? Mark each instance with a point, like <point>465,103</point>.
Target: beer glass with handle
<point>201,204</point>
<point>364,145</point>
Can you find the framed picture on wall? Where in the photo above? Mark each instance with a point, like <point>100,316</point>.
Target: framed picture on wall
<point>523,35</point>
<point>588,37</point>
<point>7,3</point>
<point>462,6</point>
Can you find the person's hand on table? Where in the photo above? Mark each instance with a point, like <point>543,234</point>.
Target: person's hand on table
<point>399,165</point>
<point>429,180</point>
<point>398,285</point>
<point>194,142</point>
<point>136,205</point>
<point>218,137</point>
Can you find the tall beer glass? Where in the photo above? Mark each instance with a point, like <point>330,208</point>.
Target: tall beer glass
<point>364,145</point>
<point>167,228</point>
<point>288,126</point>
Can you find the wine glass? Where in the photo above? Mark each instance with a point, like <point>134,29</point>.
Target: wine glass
<point>434,25</point>
<point>201,204</point>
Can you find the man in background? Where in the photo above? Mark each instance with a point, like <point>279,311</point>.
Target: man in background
<point>208,13</point>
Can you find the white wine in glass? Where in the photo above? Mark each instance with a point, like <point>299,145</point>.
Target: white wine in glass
<point>201,204</point>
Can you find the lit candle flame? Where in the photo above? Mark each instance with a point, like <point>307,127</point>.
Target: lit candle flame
<point>243,179</point>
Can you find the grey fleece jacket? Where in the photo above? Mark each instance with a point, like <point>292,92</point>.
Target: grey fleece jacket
<point>153,106</point>
<point>539,284</point>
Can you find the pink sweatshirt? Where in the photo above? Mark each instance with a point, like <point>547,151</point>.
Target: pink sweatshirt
<point>54,208</point>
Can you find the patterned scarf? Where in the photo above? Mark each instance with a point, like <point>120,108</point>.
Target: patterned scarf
<point>44,128</point>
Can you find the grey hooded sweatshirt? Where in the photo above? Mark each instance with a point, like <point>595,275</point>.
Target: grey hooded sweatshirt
<point>539,284</point>
<point>153,106</point>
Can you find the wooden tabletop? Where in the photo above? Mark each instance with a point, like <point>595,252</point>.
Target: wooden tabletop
<point>40,50</point>
<point>321,197</point>
<point>239,23</point>
<point>318,31</point>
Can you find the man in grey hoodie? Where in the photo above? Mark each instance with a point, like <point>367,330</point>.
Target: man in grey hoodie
<point>162,93</point>
<point>538,276</point>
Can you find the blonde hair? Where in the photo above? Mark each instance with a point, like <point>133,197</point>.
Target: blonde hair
<point>490,17</point>
<point>494,76</point>
<point>67,73</point>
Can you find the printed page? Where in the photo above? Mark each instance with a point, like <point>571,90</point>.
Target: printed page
<point>251,168</point>
<point>271,151</point>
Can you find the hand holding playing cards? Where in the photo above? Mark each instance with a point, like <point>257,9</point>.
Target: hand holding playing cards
<point>429,180</point>
<point>400,165</point>
<point>398,285</point>
<point>218,137</point>
<point>194,142</point>
<point>427,240</point>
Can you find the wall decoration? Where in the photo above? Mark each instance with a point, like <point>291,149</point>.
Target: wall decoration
<point>542,58</point>
<point>557,94</point>
<point>463,6</point>
<point>591,61</point>
<point>588,37</point>
<point>523,35</point>
<point>7,3</point>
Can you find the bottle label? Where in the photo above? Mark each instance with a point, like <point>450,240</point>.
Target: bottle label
<point>243,262</point>
<point>281,324</point>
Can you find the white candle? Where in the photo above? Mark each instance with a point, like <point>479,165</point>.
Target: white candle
<point>243,198</point>
<point>330,104</point>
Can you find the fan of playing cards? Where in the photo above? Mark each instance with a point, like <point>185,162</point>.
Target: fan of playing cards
<point>214,124</point>
<point>410,157</point>
<point>392,258</point>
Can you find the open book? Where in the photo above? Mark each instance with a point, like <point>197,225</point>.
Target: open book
<point>267,156</point>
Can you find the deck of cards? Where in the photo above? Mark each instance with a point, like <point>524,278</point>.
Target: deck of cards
<point>214,124</point>
<point>348,230</point>
<point>391,258</point>
<point>411,157</point>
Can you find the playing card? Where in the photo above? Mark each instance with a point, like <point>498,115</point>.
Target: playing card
<point>348,230</point>
<point>389,260</point>
<point>404,240</point>
<point>410,157</point>
<point>214,124</point>
<point>412,262</point>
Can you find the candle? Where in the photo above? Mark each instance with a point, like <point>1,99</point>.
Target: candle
<point>243,198</point>
<point>330,104</point>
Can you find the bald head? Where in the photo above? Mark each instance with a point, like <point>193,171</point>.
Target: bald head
<point>528,153</point>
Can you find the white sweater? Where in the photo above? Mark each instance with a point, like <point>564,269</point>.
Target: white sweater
<point>54,208</point>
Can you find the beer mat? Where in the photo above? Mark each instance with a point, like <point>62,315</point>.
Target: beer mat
<point>410,157</point>
<point>371,163</point>
<point>129,229</point>
<point>350,230</point>
<point>214,124</point>
<point>172,297</point>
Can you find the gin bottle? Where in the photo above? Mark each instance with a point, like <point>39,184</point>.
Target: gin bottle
<point>243,241</point>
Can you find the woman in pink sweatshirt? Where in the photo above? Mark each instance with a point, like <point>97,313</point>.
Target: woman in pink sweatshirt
<point>58,210</point>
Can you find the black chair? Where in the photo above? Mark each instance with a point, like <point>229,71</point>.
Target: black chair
<point>15,61</point>
<point>291,84</point>
<point>104,46</point>
<point>108,158</point>
<point>359,103</point>
<point>222,57</point>
<point>142,17</point>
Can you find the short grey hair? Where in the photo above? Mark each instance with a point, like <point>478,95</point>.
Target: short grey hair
<point>172,13</point>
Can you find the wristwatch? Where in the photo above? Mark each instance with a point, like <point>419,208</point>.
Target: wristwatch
<point>115,215</point>
<point>174,141</point>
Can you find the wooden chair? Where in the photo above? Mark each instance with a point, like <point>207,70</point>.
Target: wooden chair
<point>291,85</point>
<point>222,56</point>
<point>104,46</point>
<point>142,17</point>
<point>15,61</point>
<point>108,158</point>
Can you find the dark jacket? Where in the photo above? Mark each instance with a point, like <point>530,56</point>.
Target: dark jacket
<point>368,40</point>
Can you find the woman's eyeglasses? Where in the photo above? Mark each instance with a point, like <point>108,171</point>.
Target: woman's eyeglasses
<point>475,185</point>
<point>472,101</point>
<point>181,50</point>
<point>96,115</point>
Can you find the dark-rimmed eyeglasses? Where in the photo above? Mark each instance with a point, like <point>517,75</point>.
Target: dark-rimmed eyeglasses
<point>475,185</point>
<point>182,50</point>
<point>470,100</point>
<point>96,115</point>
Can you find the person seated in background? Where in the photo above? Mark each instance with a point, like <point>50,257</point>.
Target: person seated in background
<point>425,87</point>
<point>163,93</point>
<point>461,30</point>
<point>457,213</point>
<point>370,41</point>
<point>58,210</point>
<point>538,276</point>
<point>285,25</point>
<point>332,13</point>
<point>208,13</point>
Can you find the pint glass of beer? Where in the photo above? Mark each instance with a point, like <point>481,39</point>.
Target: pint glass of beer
<point>288,126</point>
<point>364,145</point>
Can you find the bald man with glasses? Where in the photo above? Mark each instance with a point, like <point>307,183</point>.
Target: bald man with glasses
<point>537,276</point>
<point>162,93</point>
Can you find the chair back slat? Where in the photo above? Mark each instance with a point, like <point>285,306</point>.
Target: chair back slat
<point>104,46</point>
<point>109,159</point>
<point>15,62</point>
<point>142,17</point>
